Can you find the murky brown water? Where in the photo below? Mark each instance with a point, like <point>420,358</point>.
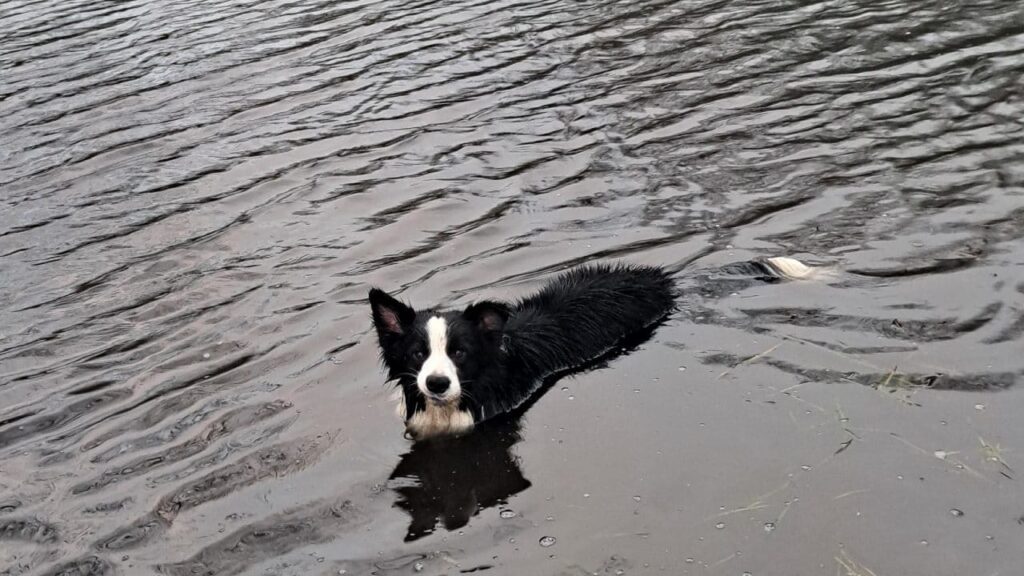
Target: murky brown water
<point>196,196</point>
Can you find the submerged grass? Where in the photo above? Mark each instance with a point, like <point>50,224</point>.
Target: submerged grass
<point>845,566</point>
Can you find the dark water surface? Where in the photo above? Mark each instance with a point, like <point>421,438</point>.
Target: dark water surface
<point>197,195</point>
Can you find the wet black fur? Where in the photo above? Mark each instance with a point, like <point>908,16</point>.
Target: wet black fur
<point>509,349</point>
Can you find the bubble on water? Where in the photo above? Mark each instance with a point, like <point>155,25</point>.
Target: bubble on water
<point>720,525</point>
<point>989,537</point>
<point>956,512</point>
<point>547,541</point>
<point>507,514</point>
<point>206,354</point>
<point>979,406</point>
<point>550,518</point>
<point>586,494</point>
<point>941,454</point>
<point>805,467</point>
<point>511,540</point>
<point>924,542</point>
<point>565,388</point>
<point>747,574</point>
<point>418,567</point>
<point>682,368</point>
<point>689,560</point>
<point>769,526</point>
<point>636,498</point>
<point>571,397</point>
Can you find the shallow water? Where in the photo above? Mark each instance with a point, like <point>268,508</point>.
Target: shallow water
<point>196,197</point>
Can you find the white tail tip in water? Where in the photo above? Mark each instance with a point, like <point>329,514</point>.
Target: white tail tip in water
<point>793,269</point>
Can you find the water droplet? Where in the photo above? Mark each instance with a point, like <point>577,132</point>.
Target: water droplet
<point>682,368</point>
<point>769,526</point>
<point>511,540</point>
<point>636,498</point>
<point>941,454</point>
<point>956,512</point>
<point>418,567</point>
<point>989,537</point>
<point>206,354</point>
<point>979,406</point>
<point>547,541</point>
<point>565,388</point>
<point>720,525</point>
<point>899,476</point>
<point>747,574</point>
<point>572,397</point>
<point>342,571</point>
<point>689,560</point>
<point>550,518</point>
<point>507,514</point>
<point>805,468</point>
<point>924,542</point>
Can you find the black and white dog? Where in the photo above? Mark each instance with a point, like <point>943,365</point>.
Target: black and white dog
<point>456,369</point>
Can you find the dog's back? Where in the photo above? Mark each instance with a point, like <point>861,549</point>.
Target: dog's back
<point>584,313</point>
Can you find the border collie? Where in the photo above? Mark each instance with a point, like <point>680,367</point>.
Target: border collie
<point>456,369</point>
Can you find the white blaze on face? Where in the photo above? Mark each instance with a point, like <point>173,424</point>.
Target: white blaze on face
<point>438,363</point>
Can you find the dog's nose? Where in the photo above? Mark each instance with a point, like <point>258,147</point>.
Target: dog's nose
<point>438,384</point>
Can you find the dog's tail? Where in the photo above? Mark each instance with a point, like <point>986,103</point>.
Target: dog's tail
<point>779,268</point>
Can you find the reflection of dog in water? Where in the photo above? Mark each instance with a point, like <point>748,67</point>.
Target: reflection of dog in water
<point>448,480</point>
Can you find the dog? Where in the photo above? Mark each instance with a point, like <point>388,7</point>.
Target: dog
<point>456,369</point>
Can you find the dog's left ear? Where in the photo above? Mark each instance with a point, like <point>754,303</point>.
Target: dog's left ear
<point>489,316</point>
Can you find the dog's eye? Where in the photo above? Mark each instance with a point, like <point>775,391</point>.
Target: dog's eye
<point>459,354</point>
<point>418,355</point>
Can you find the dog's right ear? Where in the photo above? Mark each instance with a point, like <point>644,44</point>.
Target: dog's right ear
<point>390,317</point>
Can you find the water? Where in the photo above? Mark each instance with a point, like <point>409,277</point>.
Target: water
<point>196,197</point>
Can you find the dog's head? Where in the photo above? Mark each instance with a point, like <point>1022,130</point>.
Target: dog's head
<point>437,357</point>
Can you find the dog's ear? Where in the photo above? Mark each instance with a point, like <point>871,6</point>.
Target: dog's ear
<point>390,317</point>
<point>489,316</point>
